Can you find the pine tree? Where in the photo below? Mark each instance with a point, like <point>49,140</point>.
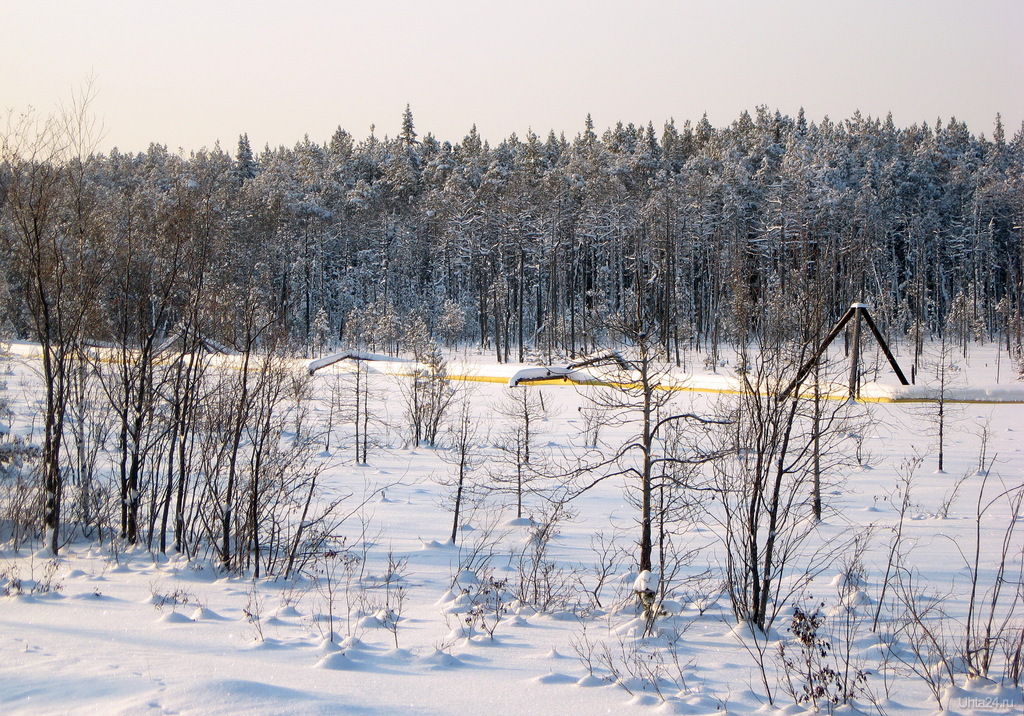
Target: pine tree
<point>245,163</point>
<point>408,134</point>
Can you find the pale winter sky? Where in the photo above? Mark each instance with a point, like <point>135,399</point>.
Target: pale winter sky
<point>187,73</point>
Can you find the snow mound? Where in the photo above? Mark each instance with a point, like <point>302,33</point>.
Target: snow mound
<point>351,643</point>
<point>338,661</point>
<point>204,613</point>
<point>370,621</point>
<point>327,646</point>
<point>397,655</point>
<point>441,661</point>
<point>467,578</point>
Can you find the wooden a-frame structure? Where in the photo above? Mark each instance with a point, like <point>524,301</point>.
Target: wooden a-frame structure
<point>856,312</point>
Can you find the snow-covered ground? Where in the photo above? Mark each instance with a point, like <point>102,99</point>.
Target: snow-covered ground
<point>129,632</point>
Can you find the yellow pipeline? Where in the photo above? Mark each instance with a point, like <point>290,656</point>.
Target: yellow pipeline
<point>110,355</point>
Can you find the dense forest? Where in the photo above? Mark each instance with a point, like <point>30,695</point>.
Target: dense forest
<point>527,246</point>
<point>692,238</point>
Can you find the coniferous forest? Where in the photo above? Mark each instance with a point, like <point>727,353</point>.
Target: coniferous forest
<point>524,247</point>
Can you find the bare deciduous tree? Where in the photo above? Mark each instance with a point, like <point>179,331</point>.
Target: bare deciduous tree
<point>51,236</point>
<point>523,409</point>
<point>764,479</point>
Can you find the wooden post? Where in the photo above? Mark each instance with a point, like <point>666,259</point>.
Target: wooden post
<point>885,347</point>
<point>858,310</point>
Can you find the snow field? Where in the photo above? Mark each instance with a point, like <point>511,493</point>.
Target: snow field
<point>128,632</point>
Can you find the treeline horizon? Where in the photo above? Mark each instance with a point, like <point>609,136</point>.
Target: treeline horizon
<point>531,245</point>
